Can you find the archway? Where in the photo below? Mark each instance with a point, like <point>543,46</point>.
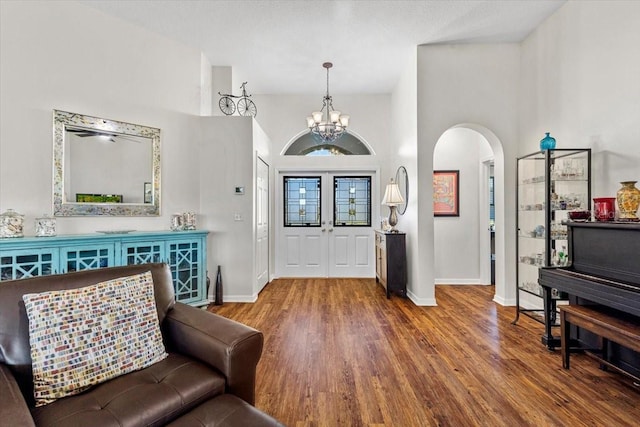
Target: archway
<point>502,292</point>
<point>304,144</point>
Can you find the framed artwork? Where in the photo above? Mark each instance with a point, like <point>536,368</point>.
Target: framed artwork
<point>446,196</point>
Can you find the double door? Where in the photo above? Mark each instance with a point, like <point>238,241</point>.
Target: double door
<point>325,225</point>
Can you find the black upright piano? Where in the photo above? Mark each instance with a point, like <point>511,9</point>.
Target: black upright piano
<point>604,270</point>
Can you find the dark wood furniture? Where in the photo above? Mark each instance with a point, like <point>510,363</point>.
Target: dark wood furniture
<point>391,262</point>
<point>609,326</point>
<point>604,274</point>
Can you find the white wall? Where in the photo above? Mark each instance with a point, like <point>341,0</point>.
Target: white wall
<point>473,85</point>
<point>581,81</point>
<point>404,152</point>
<point>62,55</point>
<point>227,160</point>
<point>457,239</point>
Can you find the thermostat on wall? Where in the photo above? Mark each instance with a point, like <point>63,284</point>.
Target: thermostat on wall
<point>239,190</point>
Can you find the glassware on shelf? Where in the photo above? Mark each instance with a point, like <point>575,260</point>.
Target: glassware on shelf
<point>536,259</point>
<point>558,231</point>
<point>568,170</point>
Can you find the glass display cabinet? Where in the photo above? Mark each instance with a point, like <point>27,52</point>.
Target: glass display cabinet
<point>550,184</point>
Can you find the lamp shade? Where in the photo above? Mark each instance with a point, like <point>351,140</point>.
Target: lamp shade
<point>392,196</point>
<point>310,122</point>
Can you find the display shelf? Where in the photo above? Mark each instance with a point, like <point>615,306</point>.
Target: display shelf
<point>550,184</point>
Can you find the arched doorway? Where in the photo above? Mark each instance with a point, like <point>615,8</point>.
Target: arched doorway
<point>326,197</point>
<point>472,227</point>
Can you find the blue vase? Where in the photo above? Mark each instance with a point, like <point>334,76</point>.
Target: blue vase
<point>548,142</point>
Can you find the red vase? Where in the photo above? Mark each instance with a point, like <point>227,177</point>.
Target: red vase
<point>604,208</point>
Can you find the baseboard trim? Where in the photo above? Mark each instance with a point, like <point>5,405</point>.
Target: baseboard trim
<point>503,301</point>
<point>459,282</point>
<point>427,302</point>
<point>241,298</point>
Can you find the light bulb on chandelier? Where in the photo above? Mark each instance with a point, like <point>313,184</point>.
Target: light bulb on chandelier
<point>327,124</point>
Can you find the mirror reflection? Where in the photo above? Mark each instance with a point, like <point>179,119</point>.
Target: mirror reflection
<point>105,167</point>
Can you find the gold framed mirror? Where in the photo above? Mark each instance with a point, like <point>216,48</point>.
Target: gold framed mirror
<point>104,167</point>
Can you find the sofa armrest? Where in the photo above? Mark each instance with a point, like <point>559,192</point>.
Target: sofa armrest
<point>13,410</point>
<point>232,348</point>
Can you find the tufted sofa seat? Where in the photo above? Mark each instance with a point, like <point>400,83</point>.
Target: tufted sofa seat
<point>207,379</point>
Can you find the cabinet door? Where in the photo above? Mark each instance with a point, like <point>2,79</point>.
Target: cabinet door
<point>78,258</point>
<point>21,264</point>
<point>382,261</point>
<point>143,252</point>
<point>187,264</point>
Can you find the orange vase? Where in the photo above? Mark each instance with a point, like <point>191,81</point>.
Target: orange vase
<point>628,201</point>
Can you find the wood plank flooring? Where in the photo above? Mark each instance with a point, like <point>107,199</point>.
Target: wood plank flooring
<point>338,353</point>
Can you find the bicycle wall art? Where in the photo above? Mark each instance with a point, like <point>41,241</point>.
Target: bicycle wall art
<point>244,105</point>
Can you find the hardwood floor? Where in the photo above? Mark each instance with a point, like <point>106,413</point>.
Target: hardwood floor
<point>338,353</point>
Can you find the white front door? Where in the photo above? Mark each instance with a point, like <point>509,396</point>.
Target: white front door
<point>325,225</point>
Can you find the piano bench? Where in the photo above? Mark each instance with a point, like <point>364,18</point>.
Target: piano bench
<point>625,332</point>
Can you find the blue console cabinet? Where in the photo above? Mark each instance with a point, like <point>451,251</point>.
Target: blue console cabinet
<point>184,251</point>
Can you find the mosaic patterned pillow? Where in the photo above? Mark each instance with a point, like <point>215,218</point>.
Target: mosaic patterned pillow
<point>82,337</point>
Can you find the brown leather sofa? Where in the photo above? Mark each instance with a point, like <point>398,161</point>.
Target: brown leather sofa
<point>207,379</point>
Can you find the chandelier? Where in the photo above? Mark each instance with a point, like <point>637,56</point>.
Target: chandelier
<point>327,124</point>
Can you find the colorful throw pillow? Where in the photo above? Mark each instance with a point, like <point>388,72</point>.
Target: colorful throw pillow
<point>82,337</point>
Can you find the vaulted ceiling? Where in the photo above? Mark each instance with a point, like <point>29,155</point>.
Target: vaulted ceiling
<point>278,46</point>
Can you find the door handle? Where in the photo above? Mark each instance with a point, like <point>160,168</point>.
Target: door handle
<point>330,230</point>
<point>323,230</point>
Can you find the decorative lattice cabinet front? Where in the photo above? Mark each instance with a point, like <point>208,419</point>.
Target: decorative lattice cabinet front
<point>184,251</point>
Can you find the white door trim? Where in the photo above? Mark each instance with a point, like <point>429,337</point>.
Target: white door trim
<point>484,239</point>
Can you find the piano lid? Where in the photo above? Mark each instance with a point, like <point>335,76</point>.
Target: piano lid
<point>606,249</point>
